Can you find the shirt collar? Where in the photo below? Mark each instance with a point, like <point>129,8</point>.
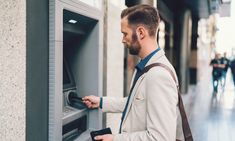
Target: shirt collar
<point>140,66</point>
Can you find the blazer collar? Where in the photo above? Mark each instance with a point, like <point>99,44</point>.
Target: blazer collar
<point>155,57</point>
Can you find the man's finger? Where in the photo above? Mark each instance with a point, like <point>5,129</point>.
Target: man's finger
<point>88,103</point>
<point>99,137</point>
<point>86,98</point>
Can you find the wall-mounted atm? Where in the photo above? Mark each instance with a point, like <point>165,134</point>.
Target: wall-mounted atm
<point>75,69</point>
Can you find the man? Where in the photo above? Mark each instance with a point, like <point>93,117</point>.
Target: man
<point>150,113</point>
<point>226,62</point>
<point>217,71</point>
<point>232,66</point>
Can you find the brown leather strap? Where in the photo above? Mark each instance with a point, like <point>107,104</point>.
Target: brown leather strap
<point>186,129</point>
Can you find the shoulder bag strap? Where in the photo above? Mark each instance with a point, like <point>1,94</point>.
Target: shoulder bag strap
<point>186,129</point>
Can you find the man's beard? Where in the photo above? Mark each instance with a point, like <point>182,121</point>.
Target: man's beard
<point>134,47</point>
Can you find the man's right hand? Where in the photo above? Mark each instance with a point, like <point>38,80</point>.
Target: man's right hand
<point>91,101</point>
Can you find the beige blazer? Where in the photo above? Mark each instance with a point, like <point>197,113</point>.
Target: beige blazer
<point>152,112</point>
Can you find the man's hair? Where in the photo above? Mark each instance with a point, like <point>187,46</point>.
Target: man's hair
<point>144,15</point>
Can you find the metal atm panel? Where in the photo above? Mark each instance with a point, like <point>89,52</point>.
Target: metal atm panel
<point>77,47</point>
<point>75,70</point>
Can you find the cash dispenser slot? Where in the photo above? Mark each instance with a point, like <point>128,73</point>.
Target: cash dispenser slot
<point>75,128</point>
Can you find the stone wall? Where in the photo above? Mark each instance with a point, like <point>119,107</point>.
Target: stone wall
<point>12,69</point>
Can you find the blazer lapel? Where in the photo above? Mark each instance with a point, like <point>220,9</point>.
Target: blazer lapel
<point>133,95</point>
<point>132,79</point>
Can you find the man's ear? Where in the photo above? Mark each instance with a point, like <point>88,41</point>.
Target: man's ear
<point>138,35</point>
<point>140,32</point>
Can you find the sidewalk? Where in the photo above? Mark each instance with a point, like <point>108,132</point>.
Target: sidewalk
<point>211,117</point>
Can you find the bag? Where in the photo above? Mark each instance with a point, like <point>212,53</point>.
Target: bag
<point>186,129</point>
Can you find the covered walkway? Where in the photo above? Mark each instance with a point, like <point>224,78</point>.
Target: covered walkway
<point>211,116</point>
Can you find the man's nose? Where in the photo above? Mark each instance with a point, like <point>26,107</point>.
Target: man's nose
<point>123,40</point>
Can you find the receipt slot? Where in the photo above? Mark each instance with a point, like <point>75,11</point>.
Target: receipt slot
<point>75,70</point>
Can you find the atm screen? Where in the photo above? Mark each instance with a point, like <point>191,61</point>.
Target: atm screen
<point>65,76</point>
<point>68,80</point>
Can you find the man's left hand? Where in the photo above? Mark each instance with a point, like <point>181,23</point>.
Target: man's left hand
<point>106,137</point>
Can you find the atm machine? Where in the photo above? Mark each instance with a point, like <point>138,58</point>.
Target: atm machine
<point>75,69</point>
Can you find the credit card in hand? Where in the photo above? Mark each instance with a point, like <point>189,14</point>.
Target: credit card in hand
<point>100,132</point>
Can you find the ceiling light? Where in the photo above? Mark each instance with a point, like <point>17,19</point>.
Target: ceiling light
<point>226,1</point>
<point>72,21</point>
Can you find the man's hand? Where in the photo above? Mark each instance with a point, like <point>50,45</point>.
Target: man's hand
<point>106,137</point>
<point>91,101</point>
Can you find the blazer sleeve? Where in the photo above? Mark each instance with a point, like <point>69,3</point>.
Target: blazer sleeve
<point>161,103</point>
<point>113,104</point>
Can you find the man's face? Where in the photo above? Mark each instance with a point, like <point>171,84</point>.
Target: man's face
<point>129,38</point>
<point>217,56</point>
